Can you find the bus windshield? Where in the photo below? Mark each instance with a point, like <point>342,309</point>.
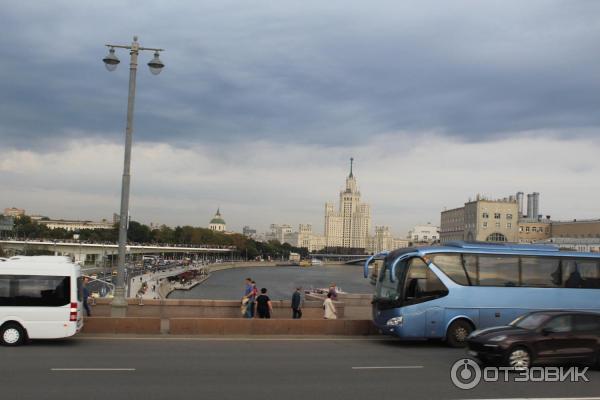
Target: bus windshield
<point>386,290</point>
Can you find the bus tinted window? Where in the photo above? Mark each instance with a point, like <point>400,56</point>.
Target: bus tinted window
<point>470,262</point>
<point>4,289</point>
<point>540,272</point>
<point>422,284</point>
<point>452,266</point>
<point>498,271</point>
<point>35,291</point>
<point>581,274</point>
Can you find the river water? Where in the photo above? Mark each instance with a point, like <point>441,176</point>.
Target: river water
<point>279,281</point>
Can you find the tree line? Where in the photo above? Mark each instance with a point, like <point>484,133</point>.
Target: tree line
<point>26,228</point>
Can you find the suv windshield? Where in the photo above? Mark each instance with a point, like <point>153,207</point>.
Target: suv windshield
<point>530,322</point>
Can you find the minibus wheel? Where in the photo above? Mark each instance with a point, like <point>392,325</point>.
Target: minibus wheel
<point>458,332</point>
<point>12,334</point>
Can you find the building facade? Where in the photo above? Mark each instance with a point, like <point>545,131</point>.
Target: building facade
<point>281,233</point>
<point>532,231</point>
<point>74,225</point>
<point>348,226</point>
<point>492,220</point>
<point>452,225</point>
<point>580,229</point>
<point>14,212</point>
<point>482,220</point>
<point>6,224</point>
<point>424,234</point>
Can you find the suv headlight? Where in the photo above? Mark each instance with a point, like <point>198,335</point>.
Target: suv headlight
<point>498,338</point>
<point>396,321</point>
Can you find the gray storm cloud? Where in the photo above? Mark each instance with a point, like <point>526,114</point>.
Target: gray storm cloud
<point>302,73</point>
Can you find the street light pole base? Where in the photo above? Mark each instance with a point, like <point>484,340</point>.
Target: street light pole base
<point>119,303</point>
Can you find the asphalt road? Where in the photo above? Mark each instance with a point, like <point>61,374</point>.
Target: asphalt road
<point>253,368</point>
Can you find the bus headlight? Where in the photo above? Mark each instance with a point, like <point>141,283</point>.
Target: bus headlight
<point>396,321</point>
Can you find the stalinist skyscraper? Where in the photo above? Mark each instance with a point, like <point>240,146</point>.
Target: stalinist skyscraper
<point>350,225</point>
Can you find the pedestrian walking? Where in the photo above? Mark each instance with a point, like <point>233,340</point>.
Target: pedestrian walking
<point>297,304</point>
<point>333,291</point>
<point>264,307</point>
<point>329,308</point>
<point>252,300</point>
<point>248,290</point>
<point>86,295</point>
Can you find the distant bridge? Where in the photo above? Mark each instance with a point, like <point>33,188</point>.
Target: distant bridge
<point>347,258</point>
<point>95,253</point>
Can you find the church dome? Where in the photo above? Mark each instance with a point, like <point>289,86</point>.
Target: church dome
<point>217,223</point>
<point>217,220</point>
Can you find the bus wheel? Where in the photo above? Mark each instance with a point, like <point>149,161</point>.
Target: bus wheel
<point>12,334</point>
<point>458,332</point>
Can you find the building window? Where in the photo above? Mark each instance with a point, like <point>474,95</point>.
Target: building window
<point>520,229</point>
<point>508,216</point>
<point>496,215</point>
<point>485,215</point>
<point>497,224</point>
<point>533,229</point>
<point>496,237</point>
<point>509,225</point>
<point>484,225</point>
<point>527,229</point>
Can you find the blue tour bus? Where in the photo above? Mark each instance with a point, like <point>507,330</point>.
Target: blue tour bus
<point>448,291</point>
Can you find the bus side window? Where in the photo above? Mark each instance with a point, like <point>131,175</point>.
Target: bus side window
<point>452,265</point>
<point>498,270</point>
<point>422,284</point>
<point>540,271</point>
<point>581,274</point>
<point>5,298</point>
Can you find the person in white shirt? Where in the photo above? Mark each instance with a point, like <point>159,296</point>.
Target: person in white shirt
<point>329,308</point>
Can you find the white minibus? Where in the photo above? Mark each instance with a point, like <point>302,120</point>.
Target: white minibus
<point>41,297</point>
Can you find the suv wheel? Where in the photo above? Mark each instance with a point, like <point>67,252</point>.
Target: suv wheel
<point>519,358</point>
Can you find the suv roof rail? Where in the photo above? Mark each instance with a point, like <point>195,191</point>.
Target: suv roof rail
<point>502,246</point>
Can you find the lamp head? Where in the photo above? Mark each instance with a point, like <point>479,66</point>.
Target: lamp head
<point>111,61</point>
<point>156,65</point>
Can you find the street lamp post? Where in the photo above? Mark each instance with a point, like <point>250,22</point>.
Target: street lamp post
<point>119,303</point>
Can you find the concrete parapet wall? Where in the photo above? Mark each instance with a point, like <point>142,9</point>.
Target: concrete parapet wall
<point>227,326</point>
<point>208,309</point>
<point>356,306</point>
<point>122,325</point>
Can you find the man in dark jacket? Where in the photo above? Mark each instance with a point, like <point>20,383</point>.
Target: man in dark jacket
<point>86,295</point>
<point>297,304</point>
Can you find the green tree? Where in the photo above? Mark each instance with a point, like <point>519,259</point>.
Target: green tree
<point>139,233</point>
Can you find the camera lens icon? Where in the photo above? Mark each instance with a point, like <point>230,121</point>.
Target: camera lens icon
<point>465,374</point>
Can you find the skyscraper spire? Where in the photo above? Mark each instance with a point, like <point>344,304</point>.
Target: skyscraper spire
<point>351,161</point>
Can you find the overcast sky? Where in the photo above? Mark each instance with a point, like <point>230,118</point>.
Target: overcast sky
<point>262,103</point>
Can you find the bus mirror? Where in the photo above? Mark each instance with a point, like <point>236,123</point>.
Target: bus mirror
<point>366,268</point>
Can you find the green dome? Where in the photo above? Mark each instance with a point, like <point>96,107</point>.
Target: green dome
<point>217,221</point>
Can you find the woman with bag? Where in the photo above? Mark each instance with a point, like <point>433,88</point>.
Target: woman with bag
<point>329,308</point>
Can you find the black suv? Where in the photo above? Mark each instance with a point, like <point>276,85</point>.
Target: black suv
<point>540,337</point>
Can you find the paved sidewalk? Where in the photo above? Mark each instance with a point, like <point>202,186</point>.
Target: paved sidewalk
<point>152,279</point>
